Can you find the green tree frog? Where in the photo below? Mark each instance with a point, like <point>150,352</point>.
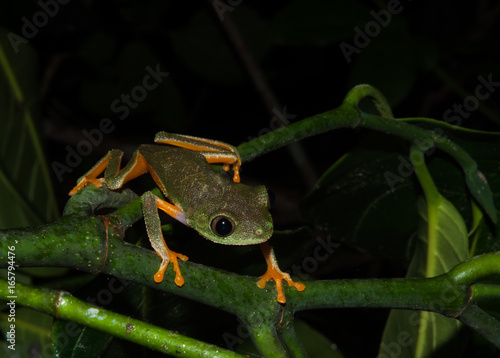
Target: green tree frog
<point>220,209</point>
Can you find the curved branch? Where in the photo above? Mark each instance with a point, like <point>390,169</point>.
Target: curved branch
<point>63,305</point>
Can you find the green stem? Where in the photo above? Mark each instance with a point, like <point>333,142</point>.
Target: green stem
<point>291,341</point>
<point>266,340</point>
<point>478,267</point>
<point>359,92</point>
<point>287,334</point>
<point>399,293</point>
<point>345,116</point>
<point>64,306</point>
<point>105,251</point>
<point>432,198</point>
<point>483,291</point>
<point>349,116</point>
<point>483,323</point>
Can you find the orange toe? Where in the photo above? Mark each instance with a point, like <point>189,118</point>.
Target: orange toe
<point>278,276</point>
<point>172,257</point>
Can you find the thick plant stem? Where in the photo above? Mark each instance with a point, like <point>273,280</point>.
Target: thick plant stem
<point>89,242</point>
<point>476,268</point>
<point>64,306</point>
<point>348,115</point>
<point>266,340</point>
<point>103,250</point>
<point>286,332</point>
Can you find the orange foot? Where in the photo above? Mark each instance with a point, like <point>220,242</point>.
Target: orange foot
<point>274,273</point>
<point>172,256</point>
<point>87,181</point>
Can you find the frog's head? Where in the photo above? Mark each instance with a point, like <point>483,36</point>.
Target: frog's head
<point>237,215</point>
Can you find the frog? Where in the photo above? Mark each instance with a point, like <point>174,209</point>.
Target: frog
<point>219,208</point>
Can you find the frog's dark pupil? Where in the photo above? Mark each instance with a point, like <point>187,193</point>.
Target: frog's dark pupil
<point>222,226</point>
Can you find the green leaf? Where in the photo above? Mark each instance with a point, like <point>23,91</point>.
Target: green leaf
<point>70,339</point>
<point>354,202</point>
<point>25,183</point>
<point>315,343</point>
<point>377,184</point>
<point>442,244</point>
<point>481,171</point>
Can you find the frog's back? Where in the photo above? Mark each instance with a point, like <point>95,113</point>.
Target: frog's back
<point>181,174</point>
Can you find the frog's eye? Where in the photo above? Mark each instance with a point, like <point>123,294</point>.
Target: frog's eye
<point>222,226</point>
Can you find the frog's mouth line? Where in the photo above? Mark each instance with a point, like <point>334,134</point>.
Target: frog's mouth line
<point>249,242</point>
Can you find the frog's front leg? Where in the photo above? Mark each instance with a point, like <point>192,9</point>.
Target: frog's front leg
<point>91,176</point>
<point>150,205</point>
<point>114,177</point>
<point>273,272</point>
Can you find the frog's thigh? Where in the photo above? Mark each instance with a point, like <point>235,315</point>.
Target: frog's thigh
<point>192,143</point>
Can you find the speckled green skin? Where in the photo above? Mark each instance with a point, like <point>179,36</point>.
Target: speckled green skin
<point>203,194</point>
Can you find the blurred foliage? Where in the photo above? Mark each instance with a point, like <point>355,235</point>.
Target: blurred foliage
<point>87,67</point>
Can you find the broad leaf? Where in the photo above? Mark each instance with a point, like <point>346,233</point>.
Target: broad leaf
<point>26,194</point>
<point>372,188</point>
<point>442,244</point>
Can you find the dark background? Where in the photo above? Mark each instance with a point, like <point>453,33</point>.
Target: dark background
<point>91,52</point>
<point>426,59</point>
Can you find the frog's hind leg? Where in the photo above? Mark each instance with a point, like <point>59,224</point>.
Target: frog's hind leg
<point>215,152</point>
<point>150,205</point>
